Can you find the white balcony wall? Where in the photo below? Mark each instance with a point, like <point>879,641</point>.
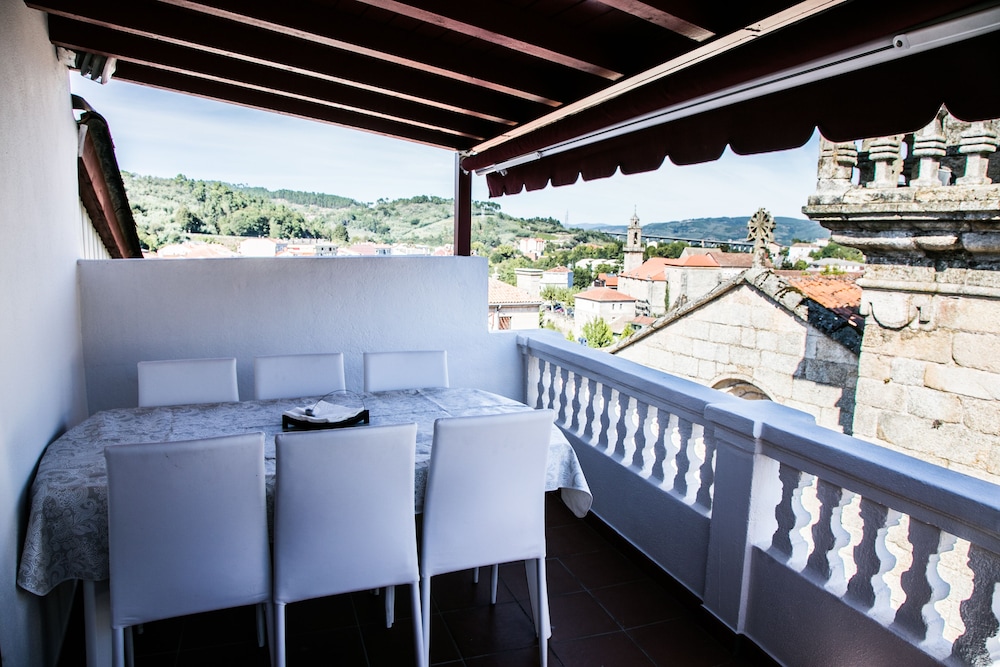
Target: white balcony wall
<point>42,385</point>
<point>136,310</point>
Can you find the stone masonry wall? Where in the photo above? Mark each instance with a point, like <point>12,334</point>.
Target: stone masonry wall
<point>743,336</point>
<point>930,387</point>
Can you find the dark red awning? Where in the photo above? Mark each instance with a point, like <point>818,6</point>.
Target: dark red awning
<point>893,98</point>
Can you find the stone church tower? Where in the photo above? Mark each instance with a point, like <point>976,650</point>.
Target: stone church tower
<point>924,208</point>
<point>633,245</point>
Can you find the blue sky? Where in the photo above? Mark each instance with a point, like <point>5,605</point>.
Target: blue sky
<point>164,134</point>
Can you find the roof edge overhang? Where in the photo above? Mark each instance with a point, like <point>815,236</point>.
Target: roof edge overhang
<point>102,190</point>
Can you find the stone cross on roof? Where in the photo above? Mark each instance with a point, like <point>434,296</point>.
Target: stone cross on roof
<point>760,230</point>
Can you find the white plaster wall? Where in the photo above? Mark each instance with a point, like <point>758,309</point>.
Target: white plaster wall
<point>172,309</point>
<point>42,385</point>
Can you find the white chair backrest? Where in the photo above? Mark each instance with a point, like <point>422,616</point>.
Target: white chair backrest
<point>298,375</point>
<point>485,498</point>
<point>187,527</point>
<point>184,381</point>
<point>418,369</point>
<point>343,511</point>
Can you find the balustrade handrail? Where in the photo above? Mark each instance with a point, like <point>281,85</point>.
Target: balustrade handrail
<point>650,386</point>
<point>964,506</point>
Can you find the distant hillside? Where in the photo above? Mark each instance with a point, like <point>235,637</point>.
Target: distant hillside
<point>725,229</point>
<point>167,210</point>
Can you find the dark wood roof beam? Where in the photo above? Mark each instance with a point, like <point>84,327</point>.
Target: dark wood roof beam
<point>255,99</point>
<point>661,18</point>
<point>176,26</point>
<point>500,24</point>
<point>124,47</point>
<point>319,25</point>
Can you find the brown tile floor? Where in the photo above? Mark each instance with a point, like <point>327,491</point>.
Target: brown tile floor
<point>608,608</point>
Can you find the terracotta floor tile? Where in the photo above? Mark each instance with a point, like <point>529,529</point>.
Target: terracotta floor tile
<point>639,603</point>
<point>611,650</point>
<point>579,615</point>
<point>605,611</point>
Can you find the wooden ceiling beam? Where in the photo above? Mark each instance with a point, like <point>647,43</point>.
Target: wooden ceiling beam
<point>171,25</point>
<point>255,99</point>
<point>95,39</point>
<point>503,25</point>
<point>661,18</point>
<point>540,82</point>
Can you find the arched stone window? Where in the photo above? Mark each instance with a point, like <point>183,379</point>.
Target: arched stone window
<point>742,389</point>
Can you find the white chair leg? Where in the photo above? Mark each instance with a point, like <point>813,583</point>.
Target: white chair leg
<point>494,576</point>
<point>129,648</point>
<point>475,575</point>
<point>118,647</point>
<point>425,611</point>
<point>390,606</point>
<point>269,618</point>
<point>260,625</point>
<point>278,649</point>
<point>543,614</point>
<point>418,627</point>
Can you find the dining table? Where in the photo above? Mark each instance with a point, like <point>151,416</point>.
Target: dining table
<point>67,532</point>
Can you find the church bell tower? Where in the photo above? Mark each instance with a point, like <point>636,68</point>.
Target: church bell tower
<point>633,245</point>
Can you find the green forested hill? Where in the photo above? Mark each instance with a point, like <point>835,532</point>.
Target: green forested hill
<point>726,229</point>
<point>168,209</point>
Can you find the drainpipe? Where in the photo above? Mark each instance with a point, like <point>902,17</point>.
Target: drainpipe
<point>463,209</point>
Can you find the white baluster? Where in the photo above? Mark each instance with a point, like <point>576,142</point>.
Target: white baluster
<point>706,472</point>
<point>787,543</point>
<point>868,588</point>
<point>621,427</point>
<point>829,537</point>
<point>575,405</point>
<point>641,459</point>
<point>980,644</point>
<point>924,540</point>
<point>534,383</point>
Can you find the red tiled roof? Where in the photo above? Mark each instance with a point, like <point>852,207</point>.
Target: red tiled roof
<point>741,260</point>
<point>652,268</point>
<point>610,280</point>
<point>558,269</point>
<point>840,294</point>
<point>604,294</point>
<point>503,293</point>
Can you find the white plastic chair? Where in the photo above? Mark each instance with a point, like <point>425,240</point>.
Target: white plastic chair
<point>187,529</point>
<point>344,518</point>
<point>298,375</point>
<point>184,381</point>
<point>485,503</point>
<point>417,369</point>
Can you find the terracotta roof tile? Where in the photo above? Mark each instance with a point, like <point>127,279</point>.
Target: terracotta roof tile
<point>742,260</point>
<point>604,294</point>
<point>840,294</point>
<point>504,293</point>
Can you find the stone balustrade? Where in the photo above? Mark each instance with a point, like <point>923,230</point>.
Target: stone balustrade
<point>931,196</point>
<point>822,548</point>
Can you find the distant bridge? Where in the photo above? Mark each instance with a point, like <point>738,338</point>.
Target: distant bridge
<point>700,243</point>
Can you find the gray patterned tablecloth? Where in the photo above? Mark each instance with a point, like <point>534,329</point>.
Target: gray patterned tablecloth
<point>67,535</point>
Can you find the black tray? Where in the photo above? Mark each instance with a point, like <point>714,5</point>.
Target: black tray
<point>293,424</point>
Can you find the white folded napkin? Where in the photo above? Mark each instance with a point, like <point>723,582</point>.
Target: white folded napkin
<point>324,413</point>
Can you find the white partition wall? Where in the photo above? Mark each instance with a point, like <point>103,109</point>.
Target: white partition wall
<point>174,309</point>
<point>41,384</point>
